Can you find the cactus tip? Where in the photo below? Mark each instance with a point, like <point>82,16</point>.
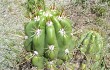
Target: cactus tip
<point>62,31</point>
<point>59,17</point>
<point>47,14</point>
<point>49,23</point>
<point>51,62</point>
<point>38,32</point>
<point>35,53</point>
<point>51,47</point>
<point>66,51</point>
<point>26,37</point>
<point>37,18</point>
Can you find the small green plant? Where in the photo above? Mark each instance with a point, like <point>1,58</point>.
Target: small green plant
<point>105,1</point>
<point>98,10</point>
<point>91,44</point>
<point>99,21</point>
<point>83,3</point>
<point>89,41</point>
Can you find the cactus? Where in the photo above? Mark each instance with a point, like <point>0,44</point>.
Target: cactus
<point>91,44</point>
<point>49,36</point>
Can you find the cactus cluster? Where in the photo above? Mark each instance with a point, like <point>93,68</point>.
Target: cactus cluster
<point>48,35</point>
<point>91,45</point>
<point>49,41</point>
<point>99,10</point>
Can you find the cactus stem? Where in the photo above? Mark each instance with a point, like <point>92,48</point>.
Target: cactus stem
<point>49,23</point>
<point>51,47</point>
<point>62,32</point>
<point>66,51</point>
<point>38,32</point>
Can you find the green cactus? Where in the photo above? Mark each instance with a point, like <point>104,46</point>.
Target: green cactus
<point>91,44</point>
<point>49,35</point>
